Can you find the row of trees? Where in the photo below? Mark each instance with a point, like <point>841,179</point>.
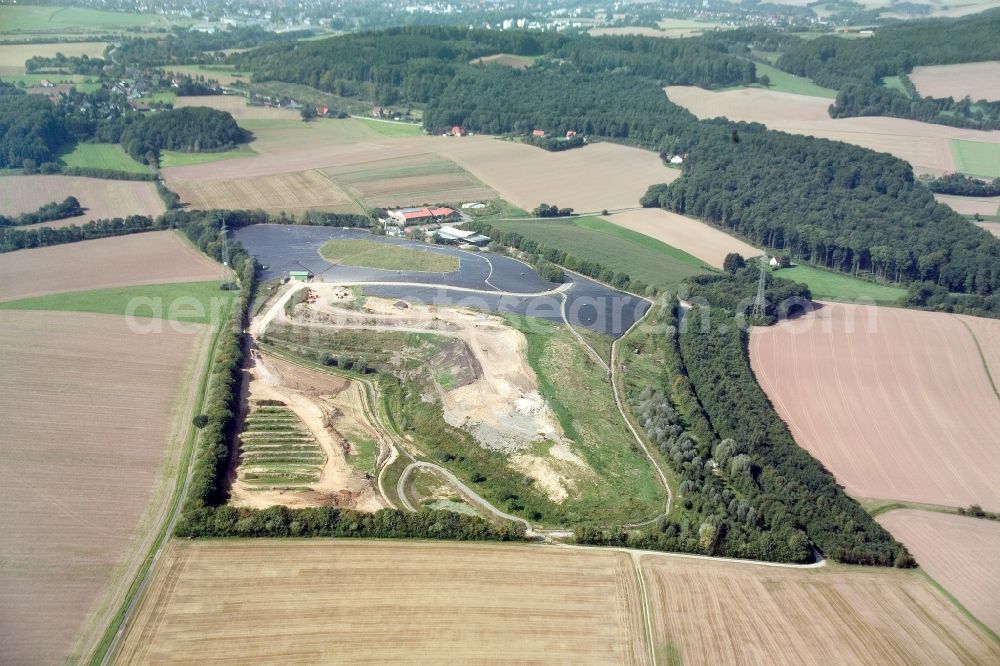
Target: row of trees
<point>13,238</point>
<point>69,207</point>
<point>965,186</point>
<point>861,99</point>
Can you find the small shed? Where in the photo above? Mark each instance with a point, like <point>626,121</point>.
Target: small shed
<point>299,276</point>
<point>677,159</point>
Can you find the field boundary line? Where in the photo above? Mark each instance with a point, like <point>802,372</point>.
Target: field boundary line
<point>117,629</point>
<point>960,607</point>
<point>647,615</point>
<point>982,357</point>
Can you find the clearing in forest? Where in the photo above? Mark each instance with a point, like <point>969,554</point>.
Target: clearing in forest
<point>959,552</point>
<point>292,601</point>
<point>103,199</point>
<point>838,286</point>
<point>725,613</point>
<point>138,259</point>
<point>109,156</point>
<point>977,80</point>
<point>387,256</point>
<point>896,403</point>
<point>94,416</point>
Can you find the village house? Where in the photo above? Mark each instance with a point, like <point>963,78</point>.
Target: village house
<point>407,216</point>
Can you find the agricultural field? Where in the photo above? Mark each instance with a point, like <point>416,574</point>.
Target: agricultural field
<point>594,239</point>
<point>927,147</point>
<point>54,20</point>
<point>782,81</point>
<point>977,80</point>
<point>94,419</point>
<point>197,302</point>
<point>415,180</point>
<point>138,259</point>
<point>983,206</point>
<point>992,227</point>
<point>12,56</point>
<point>173,158</point>
<point>702,240</point>
<point>102,199</point>
<point>599,176</point>
<point>102,156</point>
<point>583,606</point>
<point>372,254</point>
<point>959,552</point>
<point>895,403</point>
<point>506,59</point>
<point>291,192</point>
<point>706,612</point>
<point>987,335</point>
<point>224,74</point>
<point>832,285</point>
<point>666,28</point>
<point>976,157</point>
<point>236,105</point>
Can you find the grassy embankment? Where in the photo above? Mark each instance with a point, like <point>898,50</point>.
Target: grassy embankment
<point>387,256</point>
<point>109,156</point>
<point>193,302</point>
<point>830,285</point>
<point>621,250</point>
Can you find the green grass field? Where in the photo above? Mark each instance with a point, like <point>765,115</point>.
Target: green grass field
<point>391,128</point>
<point>976,158</point>
<point>789,83</point>
<point>161,96</point>
<point>830,285</point>
<point>194,302</point>
<point>101,156</point>
<point>895,83</point>
<point>52,19</point>
<point>373,254</point>
<point>621,250</point>
<point>173,158</point>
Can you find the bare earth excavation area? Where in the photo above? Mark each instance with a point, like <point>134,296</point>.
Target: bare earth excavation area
<point>323,601</point>
<point>896,403</point>
<point>89,410</point>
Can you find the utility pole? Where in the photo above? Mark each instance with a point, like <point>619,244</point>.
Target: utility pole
<point>758,304</point>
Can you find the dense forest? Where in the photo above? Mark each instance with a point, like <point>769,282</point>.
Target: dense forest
<point>184,46</point>
<point>30,129</point>
<point>190,129</point>
<point>860,99</point>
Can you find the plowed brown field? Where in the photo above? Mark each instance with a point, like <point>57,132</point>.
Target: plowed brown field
<point>958,552</point>
<point>700,239</point>
<point>722,613</point>
<point>896,404</point>
<point>923,145</point>
<point>345,601</point>
<point>147,258</point>
<point>978,80</point>
<point>292,192</point>
<point>92,416</point>
<point>970,205</point>
<point>102,198</point>
<point>987,334</point>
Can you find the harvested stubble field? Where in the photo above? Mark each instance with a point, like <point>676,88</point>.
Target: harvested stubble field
<point>102,198</point>
<point>699,239</point>
<point>959,552</point>
<point>970,205</point>
<point>326,601</point>
<point>602,175</point>
<point>93,416</point>
<point>507,59</point>
<point>896,403</point>
<point>236,105</point>
<point>146,258</point>
<point>292,192</point>
<point>992,227</point>
<point>414,180</point>
<point>723,613</point>
<point>978,80</point>
<point>925,146</point>
<point>12,56</point>
<point>987,334</point>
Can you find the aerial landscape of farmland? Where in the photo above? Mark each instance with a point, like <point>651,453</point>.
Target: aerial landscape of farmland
<point>542,332</point>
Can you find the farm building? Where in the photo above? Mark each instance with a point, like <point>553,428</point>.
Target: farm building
<point>457,131</point>
<point>677,159</point>
<point>455,235</point>
<point>299,276</point>
<point>407,216</point>
<point>540,134</point>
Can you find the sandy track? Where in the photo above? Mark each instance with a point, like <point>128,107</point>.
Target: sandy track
<point>103,199</point>
<point>697,238</point>
<point>345,601</point>
<point>970,205</point>
<point>713,613</point>
<point>89,410</point>
<point>978,80</point>
<point>603,175</point>
<point>925,146</point>
<point>958,552</point>
<point>147,258</point>
<point>899,408</point>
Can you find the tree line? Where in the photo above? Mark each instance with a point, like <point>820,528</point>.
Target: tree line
<point>966,186</point>
<point>68,207</point>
